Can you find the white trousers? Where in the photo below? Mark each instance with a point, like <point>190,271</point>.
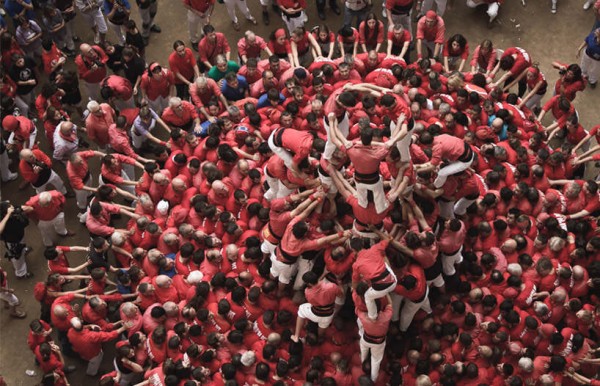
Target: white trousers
<point>377,352</point>
<point>55,181</point>
<point>20,264</point>
<point>195,23</point>
<point>49,229</point>
<point>404,20</point>
<point>295,22</point>
<point>127,188</point>
<point>82,195</point>
<point>381,203</point>
<point>5,172</point>
<point>371,295</point>
<point>534,101</point>
<point>409,309</point>
<point>492,10</point>
<point>303,267</point>
<point>305,311</point>
<point>277,189</point>
<point>94,364</point>
<point>95,19</point>
<point>449,262</point>
<point>285,155</point>
<point>428,4</point>
<point>450,169</point>
<point>460,208</point>
<point>22,105</point>
<point>119,31</point>
<point>590,68</point>
<point>343,128</point>
<point>241,4</point>
<point>403,145</point>
<point>283,272</point>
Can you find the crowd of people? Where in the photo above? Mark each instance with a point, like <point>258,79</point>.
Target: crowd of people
<point>366,207</point>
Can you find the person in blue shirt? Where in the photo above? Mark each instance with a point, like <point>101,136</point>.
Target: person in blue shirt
<point>235,87</point>
<point>271,98</point>
<point>590,60</point>
<point>17,8</point>
<point>117,13</point>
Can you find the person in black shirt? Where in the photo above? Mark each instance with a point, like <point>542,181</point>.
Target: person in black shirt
<point>12,231</point>
<point>98,255</point>
<point>134,66</point>
<point>115,56</point>
<point>134,38</point>
<point>22,72</point>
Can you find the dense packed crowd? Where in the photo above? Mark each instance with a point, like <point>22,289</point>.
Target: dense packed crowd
<point>324,211</point>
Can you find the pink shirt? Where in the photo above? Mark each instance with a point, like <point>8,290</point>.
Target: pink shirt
<point>97,126</point>
<point>448,147</point>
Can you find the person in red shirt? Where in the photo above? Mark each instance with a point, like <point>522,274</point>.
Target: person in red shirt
<point>157,86</point>
<point>456,49</point>
<point>398,41</point>
<point>319,308</point>
<point>366,158</point>
<point>292,13</point>
<point>371,33</point>
<point>294,147</point>
<point>36,168</point>
<point>87,342</point>
<point>212,45</point>
<point>372,273</point>
<point>252,46</point>
<point>373,335</point>
<point>117,91</point>
<point>80,177</point>
<point>182,63</point>
<point>182,114</point>
<point>456,152</point>
<point>202,91</point>
<point>91,67</point>
<point>98,121</point>
<point>431,31</point>
<point>47,208</point>
<point>515,61</point>
<point>23,131</point>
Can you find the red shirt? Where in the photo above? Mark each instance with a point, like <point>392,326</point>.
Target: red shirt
<point>371,37</point>
<point>434,33</point>
<point>199,5</point>
<point>366,158</point>
<point>121,87</point>
<point>199,98</point>
<point>77,173</point>
<point>292,245</point>
<point>183,65</point>
<point>188,114</point>
<point>522,60</point>
<point>97,126</point>
<point>46,213</point>
<point>85,70</point>
<point>88,343</point>
<point>251,50</point>
<point>299,142</point>
<point>446,147</point>
<point>322,294</point>
<point>154,87</point>
<point>370,263</point>
<point>209,50</point>
<point>377,328</point>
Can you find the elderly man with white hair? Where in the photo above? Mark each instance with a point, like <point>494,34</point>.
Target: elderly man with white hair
<point>182,114</point>
<point>66,141</point>
<point>36,168</point>
<point>99,119</point>
<point>47,208</point>
<point>87,342</point>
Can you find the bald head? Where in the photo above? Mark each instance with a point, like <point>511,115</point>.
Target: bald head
<point>76,324</point>
<point>26,155</point>
<point>423,380</point>
<point>171,308</point>
<point>578,272</point>
<point>178,184</point>
<point>274,338</point>
<point>163,281</point>
<point>66,127</point>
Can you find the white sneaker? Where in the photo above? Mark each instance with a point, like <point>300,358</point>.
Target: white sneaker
<point>97,38</point>
<point>587,5</point>
<point>11,177</point>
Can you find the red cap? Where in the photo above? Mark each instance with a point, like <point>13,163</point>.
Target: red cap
<point>431,14</point>
<point>121,343</point>
<point>10,123</point>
